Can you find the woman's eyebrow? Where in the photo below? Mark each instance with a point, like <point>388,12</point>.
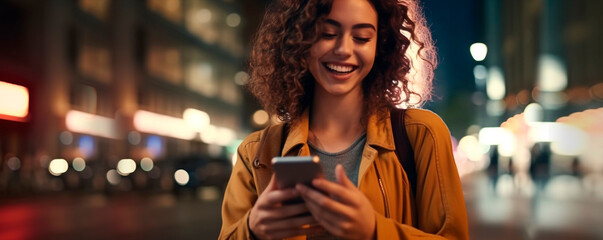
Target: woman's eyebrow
<point>356,26</point>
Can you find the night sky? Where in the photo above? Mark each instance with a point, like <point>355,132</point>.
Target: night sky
<point>455,25</point>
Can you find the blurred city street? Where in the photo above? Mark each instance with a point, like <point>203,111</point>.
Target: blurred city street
<point>501,212</point>
<point>561,210</point>
<point>98,216</point>
<point>121,119</point>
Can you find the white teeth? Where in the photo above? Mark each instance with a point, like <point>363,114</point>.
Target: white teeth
<point>339,68</point>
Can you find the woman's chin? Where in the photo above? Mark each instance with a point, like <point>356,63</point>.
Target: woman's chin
<point>340,91</point>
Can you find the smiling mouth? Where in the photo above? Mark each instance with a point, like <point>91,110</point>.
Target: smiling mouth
<point>339,69</point>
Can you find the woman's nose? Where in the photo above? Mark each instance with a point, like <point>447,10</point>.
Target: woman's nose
<point>344,47</point>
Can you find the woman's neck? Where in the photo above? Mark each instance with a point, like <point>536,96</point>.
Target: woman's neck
<point>335,121</point>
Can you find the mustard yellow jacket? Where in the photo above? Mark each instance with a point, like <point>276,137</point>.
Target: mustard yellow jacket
<point>437,212</point>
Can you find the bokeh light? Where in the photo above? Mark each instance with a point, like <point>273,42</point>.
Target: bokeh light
<point>14,101</point>
<point>146,164</point>
<point>196,119</point>
<point>480,73</point>
<point>58,166</point>
<point>126,166</point>
<point>134,137</point>
<point>181,177</point>
<point>495,85</point>
<point>79,164</point>
<point>66,137</point>
<point>241,78</point>
<point>478,51</point>
<point>14,163</point>
<point>260,117</point>
<point>113,177</point>
<point>552,75</point>
<point>233,20</point>
<point>203,15</point>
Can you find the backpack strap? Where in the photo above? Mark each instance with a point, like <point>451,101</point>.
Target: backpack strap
<point>404,150</point>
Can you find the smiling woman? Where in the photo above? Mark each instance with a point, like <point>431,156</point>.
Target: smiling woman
<point>345,52</point>
<point>279,64</point>
<point>333,71</point>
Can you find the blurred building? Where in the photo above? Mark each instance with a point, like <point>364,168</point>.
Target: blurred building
<point>551,52</point>
<point>109,80</point>
<point>539,90</point>
<point>543,67</point>
<point>547,52</point>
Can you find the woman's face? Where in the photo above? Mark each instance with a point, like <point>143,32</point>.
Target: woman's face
<point>345,52</point>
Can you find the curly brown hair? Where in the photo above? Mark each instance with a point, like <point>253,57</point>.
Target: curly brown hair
<point>279,75</point>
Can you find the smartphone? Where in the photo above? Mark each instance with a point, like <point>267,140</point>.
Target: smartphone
<point>299,169</point>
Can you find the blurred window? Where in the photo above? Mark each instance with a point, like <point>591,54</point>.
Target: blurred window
<point>170,9</point>
<point>161,102</point>
<point>90,99</point>
<point>95,62</point>
<point>165,63</point>
<point>84,98</point>
<point>105,106</point>
<point>230,39</point>
<point>202,20</point>
<point>200,78</point>
<point>214,25</point>
<point>229,91</point>
<point>98,8</point>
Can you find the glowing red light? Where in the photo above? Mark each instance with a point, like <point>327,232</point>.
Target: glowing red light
<point>14,102</point>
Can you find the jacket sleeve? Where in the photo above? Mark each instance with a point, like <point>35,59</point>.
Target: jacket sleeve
<point>440,206</point>
<point>239,197</point>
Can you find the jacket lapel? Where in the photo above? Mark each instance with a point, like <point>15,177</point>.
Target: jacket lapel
<point>296,143</point>
<point>378,136</point>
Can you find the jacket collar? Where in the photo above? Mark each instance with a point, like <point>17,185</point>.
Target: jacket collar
<point>378,133</point>
<point>298,135</point>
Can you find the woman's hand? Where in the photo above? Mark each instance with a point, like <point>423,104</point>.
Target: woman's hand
<point>340,207</point>
<point>270,219</point>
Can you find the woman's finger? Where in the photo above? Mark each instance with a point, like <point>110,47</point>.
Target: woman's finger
<point>272,184</point>
<point>277,197</point>
<point>331,222</point>
<point>289,223</point>
<point>342,178</point>
<point>336,191</point>
<point>297,232</point>
<point>322,206</point>
<point>287,211</point>
<point>273,196</point>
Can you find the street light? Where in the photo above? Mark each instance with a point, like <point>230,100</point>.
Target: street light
<point>478,51</point>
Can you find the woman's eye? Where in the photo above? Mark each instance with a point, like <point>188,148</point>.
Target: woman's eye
<point>328,35</point>
<point>364,40</point>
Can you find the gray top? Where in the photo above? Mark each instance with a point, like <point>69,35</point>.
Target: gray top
<point>348,158</point>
